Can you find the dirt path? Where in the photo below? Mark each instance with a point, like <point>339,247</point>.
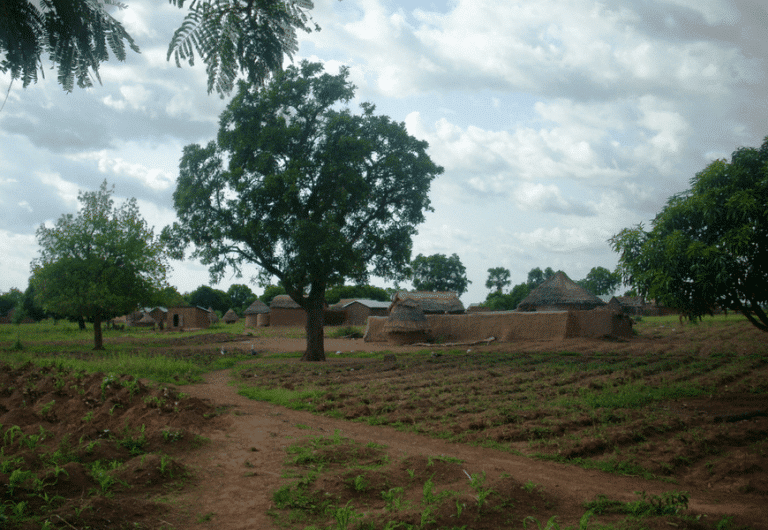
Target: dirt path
<point>237,473</point>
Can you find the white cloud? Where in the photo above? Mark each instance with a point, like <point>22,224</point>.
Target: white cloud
<point>154,178</point>
<point>543,198</point>
<point>67,191</point>
<point>16,253</point>
<point>564,240</point>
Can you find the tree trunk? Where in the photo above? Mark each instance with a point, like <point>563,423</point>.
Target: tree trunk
<point>315,345</point>
<point>97,338</point>
<point>81,323</point>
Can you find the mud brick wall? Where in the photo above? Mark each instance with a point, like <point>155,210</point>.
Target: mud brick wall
<point>279,316</point>
<point>187,318</point>
<point>511,325</point>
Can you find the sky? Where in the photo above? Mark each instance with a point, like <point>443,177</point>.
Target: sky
<point>558,122</point>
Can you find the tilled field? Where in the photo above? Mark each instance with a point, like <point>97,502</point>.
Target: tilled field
<point>687,403</point>
<point>89,450</point>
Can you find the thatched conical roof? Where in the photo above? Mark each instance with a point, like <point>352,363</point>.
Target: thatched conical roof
<point>257,308</point>
<point>407,316</point>
<point>230,317</point>
<point>559,291</point>
<point>283,301</point>
<point>436,302</point>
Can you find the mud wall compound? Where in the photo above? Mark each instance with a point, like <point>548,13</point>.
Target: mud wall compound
<point>513,325</point>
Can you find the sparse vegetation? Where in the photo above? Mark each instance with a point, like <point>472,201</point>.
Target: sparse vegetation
<point>601,405</point>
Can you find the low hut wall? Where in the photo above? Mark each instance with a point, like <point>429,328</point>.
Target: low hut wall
<point>513,325</point>
<point>279,316</point>
<point>599,323</point>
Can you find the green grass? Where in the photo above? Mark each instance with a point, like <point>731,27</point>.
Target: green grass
<point>292,399</point>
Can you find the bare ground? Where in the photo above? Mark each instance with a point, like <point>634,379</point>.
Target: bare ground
<point>170,478</point>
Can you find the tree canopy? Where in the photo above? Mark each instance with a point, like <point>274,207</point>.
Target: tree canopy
<point>439,273</point>
<point>205,297</point>
<point>498,278</point>
<point>498,301</point>
<point>708,246</point>
<point>303,188</point>
<point>231,37</point>
<point>601,281</point>
<point>368,292</point>
<point>536,276</point>
<point>240,297</point>
<point>99,264</point>
<point>239,36</point>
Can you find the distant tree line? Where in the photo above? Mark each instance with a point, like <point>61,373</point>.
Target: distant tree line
<point>599,281</point>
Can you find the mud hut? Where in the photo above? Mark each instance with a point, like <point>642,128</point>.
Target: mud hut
<point>187,318</point>
<point>230,317</point>
<point>406,323</point>
<point>559,293</point>
<point>257,315</point>
<point>357,311</point>
<point>432,303</point>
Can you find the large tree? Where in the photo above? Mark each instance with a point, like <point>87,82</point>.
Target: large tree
<point>709,245</point>
<point>231,36</point>
<point>304,189</point>
<point>368,292</point>
<point>439,273</point>
<point>240,297</point>
<point>601,281</point>
<point>98,264</point>
<point>205,297</point>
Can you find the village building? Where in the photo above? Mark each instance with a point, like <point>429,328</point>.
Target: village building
<point>187,318</point>
<point>559,293</point>
<point>158,314</point>
<point>406,323</point>
<point>257,315</point>
<point>358,311</point>
<point>283,311</point>
<point>432,303</point>
<point>230,317</point>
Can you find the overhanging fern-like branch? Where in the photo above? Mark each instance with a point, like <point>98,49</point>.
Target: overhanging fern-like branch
<point>238,36</point>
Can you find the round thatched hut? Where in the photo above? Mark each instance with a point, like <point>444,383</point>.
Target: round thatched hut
<point>257,315</point>
<point>559,293</point>
<point>230,317</point>
<point>406,323</point>
<point>145,322</point>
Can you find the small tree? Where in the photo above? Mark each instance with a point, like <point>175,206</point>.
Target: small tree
<point>102,263</point>
<point>439,273</point>
<point>709,245</point>
<point>8,300</point>
<point>307,191</point>
<point>498,278</point>
<point>507,302</point>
